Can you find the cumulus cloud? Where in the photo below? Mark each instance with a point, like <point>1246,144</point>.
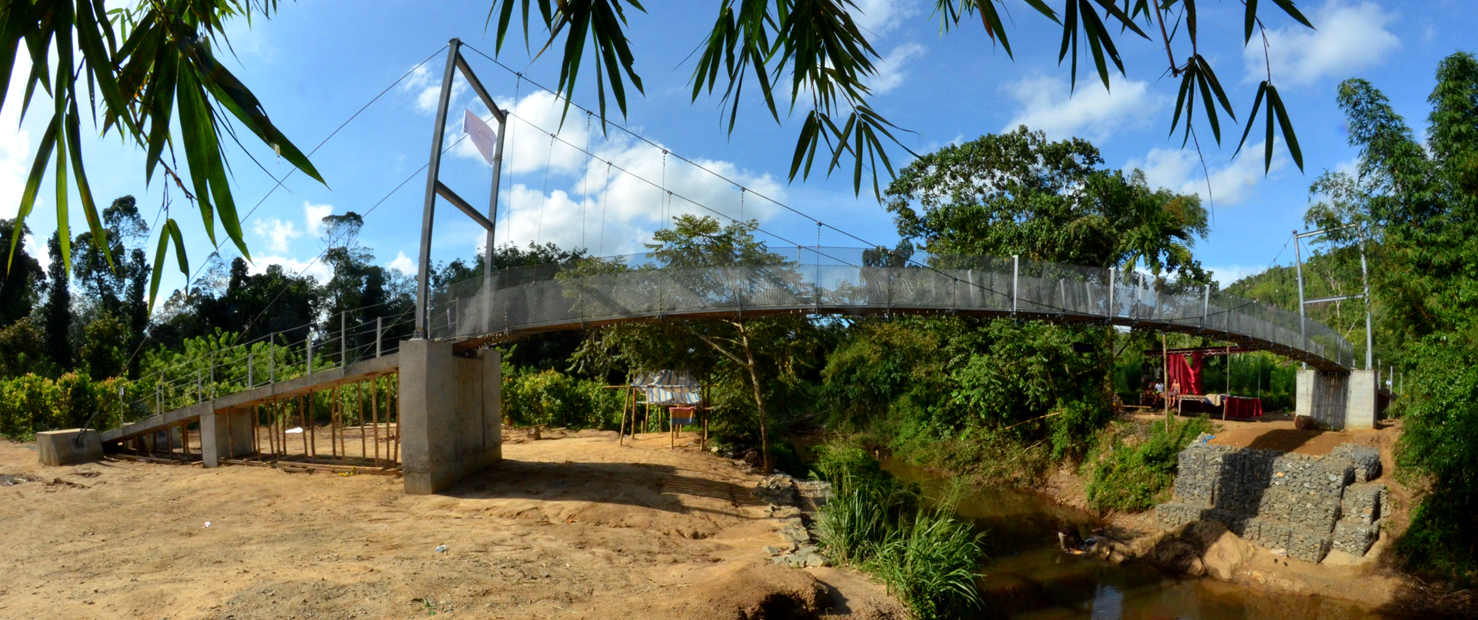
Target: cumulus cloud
<point>1350,37</point>
<point>556,193</point>
<point>1049,104</point>
<point>1227,274</point>
<point>403,264</point>
<point>15,147</point>
<point>317,269</point>
<point>425,90</point>
<point>879,17</point>
<point>277,233</point>
<point>893,68</point>
<point>1231,184</point>
<point>313,216</point>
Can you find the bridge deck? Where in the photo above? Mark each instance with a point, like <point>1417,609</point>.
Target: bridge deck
<point>239,401</point>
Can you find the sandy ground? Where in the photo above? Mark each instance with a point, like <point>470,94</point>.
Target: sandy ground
<point>575,527</point>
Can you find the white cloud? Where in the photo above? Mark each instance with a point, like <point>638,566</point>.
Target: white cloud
<point>878,17</point>
<point>1231,184</point>
<point>425,93</point>
<point>39,252</point>
<point>1349,37</point>
<point>1048,104</point>
<point>585,197</point>
<point>403,264</point>
<point>15,146</point>
<point>277,232</point>
<point>1227,274</point>
<point>313,216</point>
<point>892,69</point>
<point>317,269</point>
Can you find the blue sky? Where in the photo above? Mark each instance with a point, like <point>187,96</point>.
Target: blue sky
<point>316,62</point>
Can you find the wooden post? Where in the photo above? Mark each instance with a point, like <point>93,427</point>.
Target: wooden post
<point>303,422</point>
<point>375,415</point>
<point>1165,373</point>
<point>621,434</point>
<point>230,445</point>
<point>359,396</point>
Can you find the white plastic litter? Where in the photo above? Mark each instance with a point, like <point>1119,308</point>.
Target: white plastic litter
<point>294,430</point>
<point>207,524</point>
<point>441,548</point>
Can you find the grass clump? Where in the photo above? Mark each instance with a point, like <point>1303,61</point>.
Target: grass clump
<point>1138,468</point>
<point>873,522</point>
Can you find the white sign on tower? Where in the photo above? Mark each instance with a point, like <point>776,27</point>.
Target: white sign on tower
<point>483,136</point>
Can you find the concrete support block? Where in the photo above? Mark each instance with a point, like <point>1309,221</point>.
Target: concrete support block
<point>60,447</point>
<point>1323,395</point>
<point>1360,407</point>
<point>450,414</point>
<point>224,435</point>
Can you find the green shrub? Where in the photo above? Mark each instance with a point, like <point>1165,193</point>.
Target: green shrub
<point>552,398</point>
<point>1135,477</point>
<point>32,403</point>
<point>930,562</point>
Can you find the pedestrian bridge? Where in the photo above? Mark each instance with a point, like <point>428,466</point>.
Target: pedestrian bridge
<point>855,282</point>
<point>439,399</point>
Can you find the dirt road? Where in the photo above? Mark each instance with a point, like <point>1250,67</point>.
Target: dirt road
<point>576,527</point>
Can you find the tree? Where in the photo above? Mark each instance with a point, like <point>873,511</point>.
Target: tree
<point>56,313</point>
<point>1019,194</point>
<point>24,278</point>
<point>115,290</point>
<point>152,64</point>
<point>105,349</point>
<point>817,47</point>
<point>756,353</point>
<point>1414,205</point>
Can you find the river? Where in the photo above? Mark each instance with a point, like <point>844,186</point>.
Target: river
<point>1026,576</point>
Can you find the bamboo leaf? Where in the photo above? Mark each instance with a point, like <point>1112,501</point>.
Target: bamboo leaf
<point>158,264</point>
<point>33,181</point>
<point>1249,20</point>
<point>179,243</point>
<point>1267,146</point>
<point>1262,89</point>
<point>1275,102</point>
<point>197,135</point>
<point>1210,104</point>
<point>1292,11</point>
<point>84,190</point>
<point>63,229</point>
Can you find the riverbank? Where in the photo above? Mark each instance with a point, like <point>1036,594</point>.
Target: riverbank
<point>574,526</point>
<point>1208,550</point>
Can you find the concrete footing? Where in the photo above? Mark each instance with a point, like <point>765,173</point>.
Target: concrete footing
<point>224,435</point>
<point>1340,400</point>
<point>451,422</point>
<point>60,447</point>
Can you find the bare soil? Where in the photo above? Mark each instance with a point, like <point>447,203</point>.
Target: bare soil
<point>574,527</point>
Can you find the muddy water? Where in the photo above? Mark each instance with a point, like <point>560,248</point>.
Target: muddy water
<point>1026,576</point>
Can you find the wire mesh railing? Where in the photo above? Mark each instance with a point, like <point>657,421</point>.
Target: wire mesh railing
<point>850,280</point>
<point>206,372</point>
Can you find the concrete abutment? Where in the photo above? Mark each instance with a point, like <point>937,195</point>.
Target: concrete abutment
<point>450,414</point>
<point>1339,400</point>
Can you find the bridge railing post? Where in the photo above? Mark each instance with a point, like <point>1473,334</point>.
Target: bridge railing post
<point>1205,306</point>
<point>199,393</point>
<point>309,341</point>
<point>1015,280</point>
<point>212,375</point>
<point>159,396</point>
<point>272,358</point>
<point>250,377</point>
<point>1113,283</point>
<point>379,329</point>
<point>343,339</point>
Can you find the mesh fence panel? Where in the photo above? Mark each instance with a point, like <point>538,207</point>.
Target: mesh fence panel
<point>823,279</point>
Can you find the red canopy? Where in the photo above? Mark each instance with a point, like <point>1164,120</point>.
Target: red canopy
<point>1185,374</point>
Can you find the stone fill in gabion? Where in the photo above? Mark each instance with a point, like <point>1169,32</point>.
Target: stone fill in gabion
<point>1362,503</point>
<point>1304,504</point>
<point>1308,545</point>
<point>1365,459</point>
<point>1354,538</point>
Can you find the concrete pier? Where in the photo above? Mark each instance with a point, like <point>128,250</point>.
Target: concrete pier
<point>451,421</point>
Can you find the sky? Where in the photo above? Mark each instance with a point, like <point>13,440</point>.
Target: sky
<point>316,63</point>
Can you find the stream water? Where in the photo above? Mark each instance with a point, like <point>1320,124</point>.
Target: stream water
<point>1026,576</point>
